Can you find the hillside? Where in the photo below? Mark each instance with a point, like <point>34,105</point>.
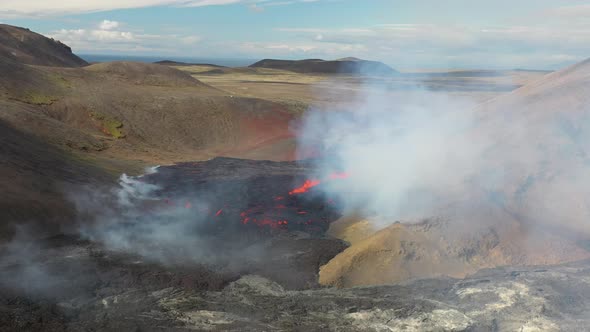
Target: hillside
<point>145,74</point>
<point>551,115</point>
<point>88,125</point>
<point>34,175</point>
<point>141,111</point>
<point>560,92</point>
<point>148,112</point>
<point>341,66</point>
<point>437,247</point>
<point>25,46</point>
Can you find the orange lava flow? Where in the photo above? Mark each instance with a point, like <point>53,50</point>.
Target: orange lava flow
<point>267,216</point>
<point>308,184</point>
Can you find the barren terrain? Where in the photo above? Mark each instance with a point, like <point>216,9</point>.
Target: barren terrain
<point>235,232</point>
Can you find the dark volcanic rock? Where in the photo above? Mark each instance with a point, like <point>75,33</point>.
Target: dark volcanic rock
<point>241,215</point>
<point>247,195</point>
<point>226,214</point>
<point>100,290</point>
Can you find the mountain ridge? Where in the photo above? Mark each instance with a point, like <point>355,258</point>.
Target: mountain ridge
<point>341,66</point>
<point>25,46</point>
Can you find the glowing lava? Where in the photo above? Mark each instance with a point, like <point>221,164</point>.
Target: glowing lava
<point>308,184</point>
<point>274,215</point>
<point>261,216</point>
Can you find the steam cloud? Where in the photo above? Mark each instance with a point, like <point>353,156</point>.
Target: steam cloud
<point>132,218</point>
<point>425,154</point>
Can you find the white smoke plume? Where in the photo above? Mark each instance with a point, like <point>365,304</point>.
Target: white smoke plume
<point>133,189</point>
<point>132,218</point>
<point>402,155</point>
<point>422,154</point>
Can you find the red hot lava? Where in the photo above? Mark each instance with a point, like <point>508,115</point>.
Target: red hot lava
<point>273,217</point>
<point>308,184</point>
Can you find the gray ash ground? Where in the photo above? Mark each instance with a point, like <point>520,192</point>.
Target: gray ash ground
<point>101,291</point>
<point>65,283</point>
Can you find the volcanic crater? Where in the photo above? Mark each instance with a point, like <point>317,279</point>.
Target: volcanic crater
<point>263,195</point>
<point>244,216</point>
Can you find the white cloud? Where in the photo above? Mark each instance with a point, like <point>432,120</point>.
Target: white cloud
<point>108,25</point>
<point>44,7</point>
<point>107,38</point>
<point>569,12</point>
<point>103,35</point>
<point>39,8</point>
<point>78,36</point>
<point>453,45</point>
<point>295,50</point>
<point>189,40</point>
<point>274,48</point>
<point>542,39</point>
<point>545,39</point>
<point>256,8</point>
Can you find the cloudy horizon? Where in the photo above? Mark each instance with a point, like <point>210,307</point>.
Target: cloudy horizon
<point>404,34</point>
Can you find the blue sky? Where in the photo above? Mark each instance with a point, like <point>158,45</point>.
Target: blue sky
<point>403,33</point>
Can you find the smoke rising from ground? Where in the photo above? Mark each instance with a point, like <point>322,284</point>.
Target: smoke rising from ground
<point>422,154</point>
<point>132,218</point>
<point>404,155</point>
<point>23,268</point>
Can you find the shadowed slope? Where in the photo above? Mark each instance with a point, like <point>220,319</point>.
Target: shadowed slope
<point>33,175</point>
